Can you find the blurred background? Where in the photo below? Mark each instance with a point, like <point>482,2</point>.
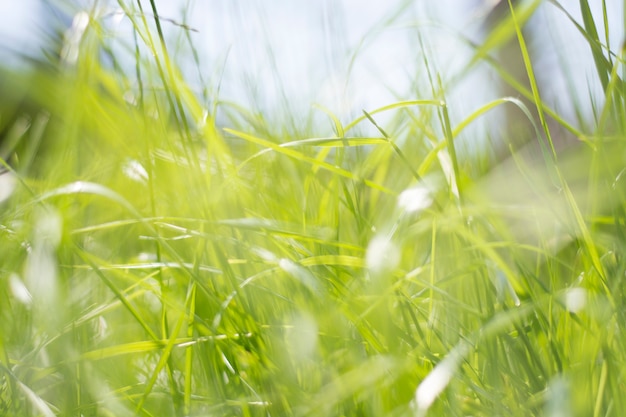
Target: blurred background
<point>345,55</point>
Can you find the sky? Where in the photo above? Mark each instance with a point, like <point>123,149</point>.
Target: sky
<point>18,26</point>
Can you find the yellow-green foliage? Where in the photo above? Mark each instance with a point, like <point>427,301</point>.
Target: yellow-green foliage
<point>154,263</point>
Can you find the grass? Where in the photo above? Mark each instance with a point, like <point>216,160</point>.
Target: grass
<point>157,263</point>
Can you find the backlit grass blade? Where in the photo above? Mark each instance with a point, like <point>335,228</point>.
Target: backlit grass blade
<point>590,246</point>
<point>339,130</point>
<point>164,363</point>
<point>123,299</point>
<point>395,147</point>
<point>505,29</point>
<point>603,67</point>
<point>336,142</point>
<point>302,157</point>
<point>398,105</point>
<point>533,81</point>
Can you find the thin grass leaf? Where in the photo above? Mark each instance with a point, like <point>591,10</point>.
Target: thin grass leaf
<point>123,299</point>
<point>397,105</point>
<point>395,147</point>
<point>339,130</point>
<point>37,402</point>
<point>603,67</point>
<point>505,30</point>
<point>338,260</point>
<point>301,157</point>
<point>533,82</point>
<point>163,362</point>
<point>336,142</point>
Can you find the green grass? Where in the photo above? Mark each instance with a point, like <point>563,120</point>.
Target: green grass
<point>153,263</point>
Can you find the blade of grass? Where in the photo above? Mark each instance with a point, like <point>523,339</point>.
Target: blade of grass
<point>397,105</point>
<point>602,65</point>
<point>584,231</point>
<point>164,361</point>
<point>301,157</point>
<point>395,147</point>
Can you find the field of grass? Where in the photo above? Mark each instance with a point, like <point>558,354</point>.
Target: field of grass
<point>156,263</point>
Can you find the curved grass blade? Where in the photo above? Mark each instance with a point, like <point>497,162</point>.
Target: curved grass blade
<point>393,106</point>
<point>313,161</point>
<point>338,126</point>
<point>336,142</point>
<point>37,402</point>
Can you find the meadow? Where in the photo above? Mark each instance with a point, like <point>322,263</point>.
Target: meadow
<point>167,253</point>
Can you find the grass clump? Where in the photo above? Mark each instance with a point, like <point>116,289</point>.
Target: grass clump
<point>157,263</point>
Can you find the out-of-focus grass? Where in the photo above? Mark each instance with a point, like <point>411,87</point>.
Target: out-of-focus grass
<point>153,263</point>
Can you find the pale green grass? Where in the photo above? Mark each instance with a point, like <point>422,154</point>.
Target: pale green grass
<point>153,263</point>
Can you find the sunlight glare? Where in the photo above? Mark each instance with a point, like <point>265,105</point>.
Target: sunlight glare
<point>73,36</point>
<point>135,171</point>
<point>7,185</point>
<point>19,290</point>
<point>302,337</point>
<point>382,255</point>
<point>575,299</point>
<point>415,199</point>
<point>439,378</point>
<point>41,269</point>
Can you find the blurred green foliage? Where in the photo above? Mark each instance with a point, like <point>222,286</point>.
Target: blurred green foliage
<point>154,263</point>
